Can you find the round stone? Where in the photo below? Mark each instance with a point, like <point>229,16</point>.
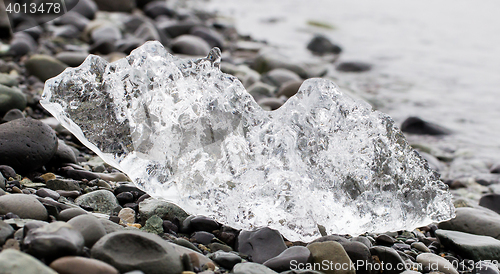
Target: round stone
<point>332,253</point>
<point>24,206</point>
<point>90,227</point>
<point>27,144</point>
<point>283,262</point>
<point>81,265</point>
<point>261,245</point>
<point>136,250</point>
<point>102,201</point>
<point>11,98</point>
<point>436,263</point>
<point>68,214</point>
<point>190,45</point>
<point>14,261</point>
<point>44,66</point>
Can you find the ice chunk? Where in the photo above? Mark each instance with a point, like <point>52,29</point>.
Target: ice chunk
<point>185,131</point>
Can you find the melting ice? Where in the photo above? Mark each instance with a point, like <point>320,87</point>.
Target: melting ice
<point>185,131</point>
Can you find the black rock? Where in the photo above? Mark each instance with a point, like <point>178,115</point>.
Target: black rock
<point>416,125</point>
<point>225,259</point>
<point>385,240</point>
<point>174,30</point>
<point>322,45</point>
<point>74,19</point>
<point>358,252</point>
<point>72,58</point>
<point>87,8</point>
<point>125,197</point>
<point>280,263</point>
<point>136,250</point>
<point>168,226</point>
<point>53,241</point>
<point>335,238</point>
<point>115,5</point>
<point>190,45</point>
<point>63,155</point>
<point>203,223</point>
<point>495,169</point>
<point>212,37</point>
<point>78,174</point>
<point>388,256</point>
<point>353,67</point>
<point>102,47</point>
<point>22,44</point>
<point>491,201</point>
<point>157,8</point>
<point>7,171</point>
<point>129,187</point>
<point>203,237</point>
<point>261,245</point>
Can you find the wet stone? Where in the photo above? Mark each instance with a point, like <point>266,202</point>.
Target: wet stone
<point>6,232</point>
<point>24,206</point>
<point>14,261</point>
<point>330,252</point>
<point>416,125</point>
<point>203,223</point>
<point>154,225</point>
<point>203,237</point>
<point>282,262</point>
<point>261,245</point>
<point>474,247</point>
<point>225,259</point>
<point>252,268</point>
<point>102,201</point>
<point>384,240</point>
<point>68,214</point>
<point>63,184</point>
<point>90,228</point>
<point>81,265</point>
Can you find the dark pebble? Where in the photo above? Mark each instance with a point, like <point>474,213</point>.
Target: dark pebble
<point>353,67</point>
<point>44,66</point>
<point>157,8</point>
<point>129,187</point>
<point>203,223</point>
<point>115,5</point>
<point>176,29</point>
<point>203,237</point>
<point>63,184</point>
<point>289,88</point>
<point>81,265</point>
<point>261,245</point>
<point>22,44</point>
<point>321,45</point>
<point>335,238</point>
<point>12,98</point>
<point>12,114</point>
<point>358,252</point>
<point>25,206</point>
<point>190,45</point>
<point>7,171</point>
<point>53,241</point>
<point>416,125</point>
<point>384,239</point>
<point>125,197</point>
<point>136,250</point>
<point>280,263</point>
<point>225,259</point>
<point>388,256</point>
<point>491,201</point>
<point>45,192</point>
<point>87,8</point>
<point>168,226</point>
<point>78,174</point>
<point>6,232</point>
<point>212,37</point>
<point>74,19</point>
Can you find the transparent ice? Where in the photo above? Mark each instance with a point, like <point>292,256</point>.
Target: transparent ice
<point>185,131</point>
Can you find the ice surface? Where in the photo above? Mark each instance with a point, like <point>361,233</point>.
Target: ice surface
<point>185,131</point>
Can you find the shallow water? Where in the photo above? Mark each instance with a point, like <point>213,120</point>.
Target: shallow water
<point>438,60</point>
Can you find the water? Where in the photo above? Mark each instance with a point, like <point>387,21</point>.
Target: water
<point>438,60</point>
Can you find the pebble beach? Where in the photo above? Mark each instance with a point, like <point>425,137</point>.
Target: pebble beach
<point>64,210</point>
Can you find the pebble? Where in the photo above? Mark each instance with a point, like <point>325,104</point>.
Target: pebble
<point>81,265</point>
<point>225,259</point>
<point>89,226</point>
<point>125,197</point>
<point>436,263</point>
<point>63,184</point>
<point>157,8</point>
<point>110,226</point>
<point>289,88</point>
<point>358,252</point>
<point>470,246</point>
<point>212,37</point>
<point>321,45</point>
<point>270,103</point>
<point>27,144</point>
<point>328,238</point>
<point>362,240</point>
<point>44,66</point>
<point>22,44</point>
<point>261,245</point>
<point>102,201</point>
<point>388,256</point>
<point>154,225</point>
<point>491,201</point>
<point>16,262</point>
<point>12,98</point>
<point>13,114</point>
<point>72,58</point>
<point>277,77</point>
<point>176,29</point>
<point>474,221</point>
<point>107,32</point>
<point>7,171</point>
<point>8,80</point>
<point>115,5</point>
<point>162,208</point>
<point>353,67</point>
<point>418,126</point>
<point>45,192</point>
<point>127,215</point>
<point>67,214</point>
<point>190,45</point>
<point>384,240</point>
<point>268,61</point>
<point>282,262</point>
<point>24,206</point>
<point>53,241</point>
<point>74,19</point>
<point>332,253</point>
<point>87,8</point>
<point>202,223</point>
<point>63,155</point>
<point>420,246</point>
<point>6,232</point>
<point>129,250</point>
<point>252,268</point>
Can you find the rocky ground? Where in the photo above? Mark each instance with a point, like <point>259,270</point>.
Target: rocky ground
<point>62,210</point>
